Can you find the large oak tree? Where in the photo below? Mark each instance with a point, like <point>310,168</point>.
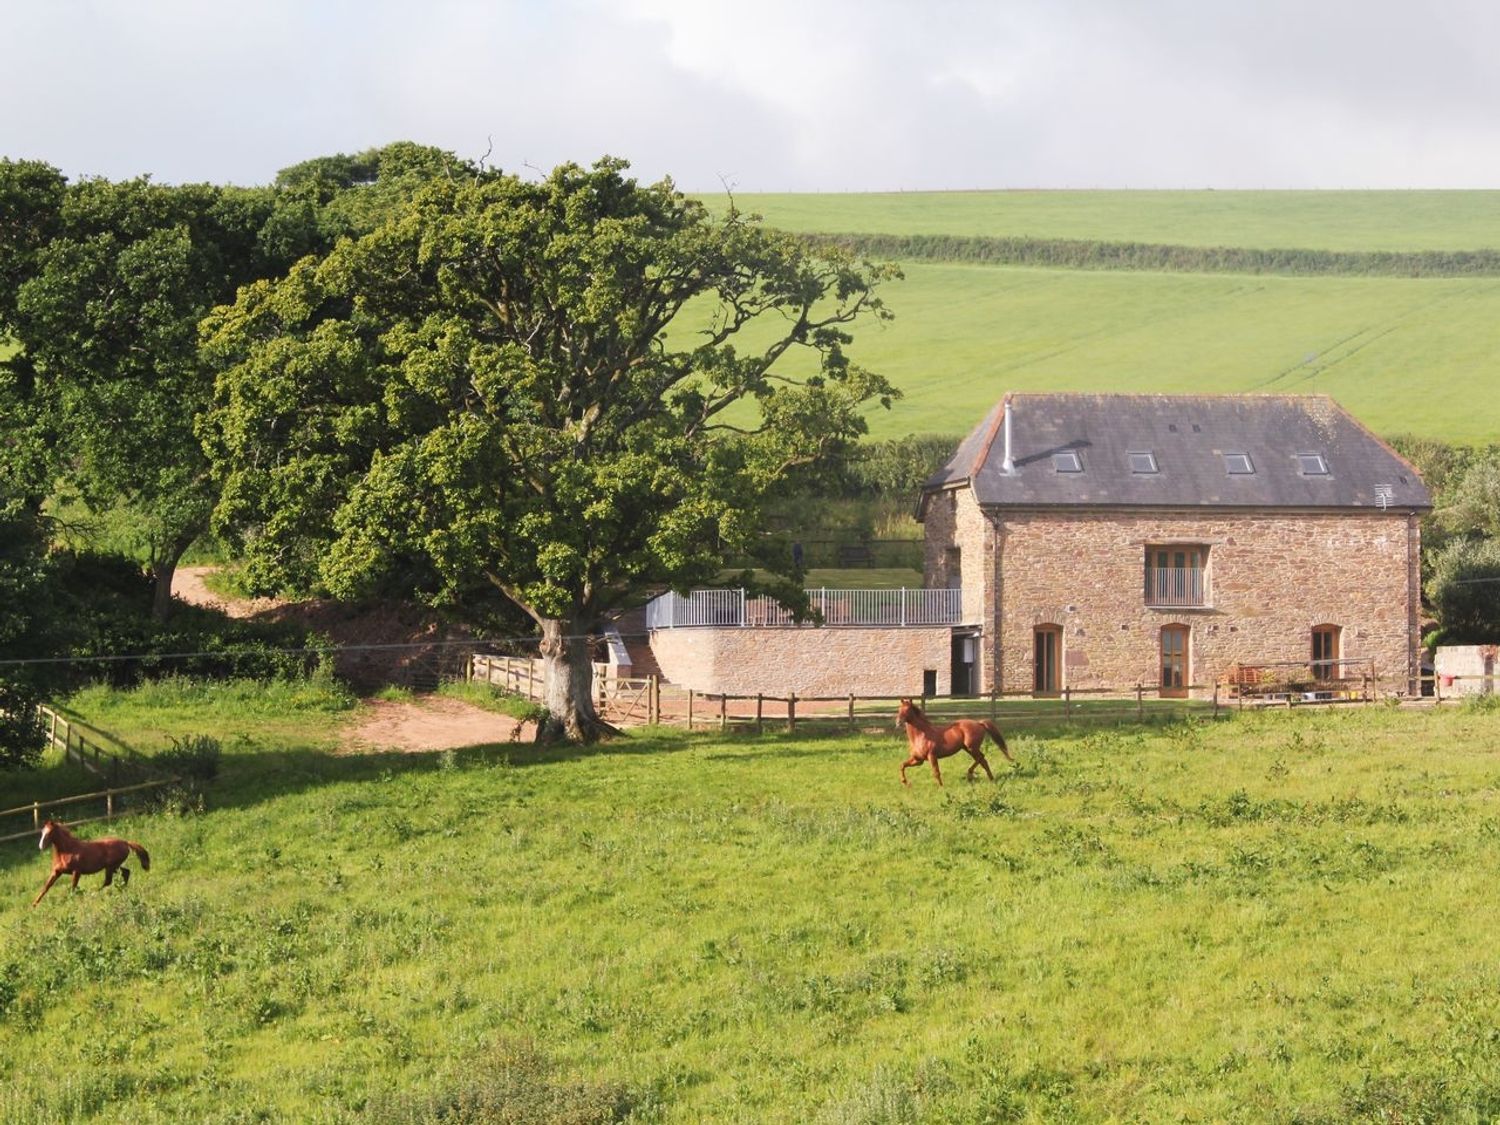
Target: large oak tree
<point>576,389</point>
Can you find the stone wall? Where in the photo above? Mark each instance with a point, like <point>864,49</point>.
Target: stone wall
<point>953,519</point>
<point>807,660</point>
<point>1466,669</point>
<point>1271,578</point>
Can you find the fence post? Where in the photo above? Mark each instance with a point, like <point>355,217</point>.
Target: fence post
<point>1067,702</point>
<point>36,815</point>
<point>690,708</point>
<point>759,698</point>
<point>994,705</point>
<point>791,712</point>
<point>723,713</point>
<point>744,610</point>
<point>851,710</point>
<point>903,607</point>
<point>109,804</point>
<point>1140,703</point>
<point>655,699</point>
<point>1216,699</point>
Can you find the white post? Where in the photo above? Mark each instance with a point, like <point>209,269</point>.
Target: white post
<point>1009,464</point>
<point>903,606</point>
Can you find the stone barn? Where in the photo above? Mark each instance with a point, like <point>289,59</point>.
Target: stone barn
<point>1109,540</point>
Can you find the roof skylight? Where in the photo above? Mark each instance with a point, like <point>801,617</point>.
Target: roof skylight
<point>1312,464</point>
<point>1238,464</point>
<point>1067,461</point>
<point>1143,462</point>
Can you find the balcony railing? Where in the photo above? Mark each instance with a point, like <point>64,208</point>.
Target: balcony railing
<point>1173,587</point>
<point>890,608</point>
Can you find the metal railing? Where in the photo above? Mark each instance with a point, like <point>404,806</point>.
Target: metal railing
<point>1175,586</point>
<point>890,608</point>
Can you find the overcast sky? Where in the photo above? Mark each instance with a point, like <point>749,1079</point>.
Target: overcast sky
<point>772,95</point>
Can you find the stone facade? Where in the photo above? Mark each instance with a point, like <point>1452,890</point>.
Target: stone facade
<point>1271,577</point>
<point>808,661</point>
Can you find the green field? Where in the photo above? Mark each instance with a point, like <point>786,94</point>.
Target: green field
<point>1404,356</point>
<point>1315,220</point>
<point>1284,917</point>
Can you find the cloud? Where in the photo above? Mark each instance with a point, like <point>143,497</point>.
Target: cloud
<point>816,95</point>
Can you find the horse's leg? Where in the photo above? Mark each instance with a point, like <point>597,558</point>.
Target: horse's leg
<point>124,876</point>
<point>46,888</point>
<point>76,874</point>
<point>979,760</point>
<point>937,773</point>
<point>912,761</point>
<point>109,875</point>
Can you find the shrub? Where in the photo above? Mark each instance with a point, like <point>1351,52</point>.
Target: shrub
<point>194,758</point>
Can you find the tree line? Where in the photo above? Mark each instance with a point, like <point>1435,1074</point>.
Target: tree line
<point>1092,254</point>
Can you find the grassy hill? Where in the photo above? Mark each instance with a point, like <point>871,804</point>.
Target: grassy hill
<point>1404,354</point>
<point>1285,916</point>
<point>1319,220</point>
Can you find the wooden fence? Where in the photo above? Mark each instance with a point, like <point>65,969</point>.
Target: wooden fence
<point>124,766</point>
<point>632,701</point>
<point>620,699</point>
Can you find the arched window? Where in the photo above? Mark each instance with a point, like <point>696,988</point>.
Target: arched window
<point>1047,659</point>
<point>1325,652</point>
<point>1174,661</point>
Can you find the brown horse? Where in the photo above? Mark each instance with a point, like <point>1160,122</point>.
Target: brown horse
<point>928,743</point>
<point>75,857</point>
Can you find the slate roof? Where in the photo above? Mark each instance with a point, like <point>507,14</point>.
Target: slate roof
<point>1188,435</point>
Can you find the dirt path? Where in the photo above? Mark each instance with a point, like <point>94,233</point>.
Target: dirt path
<point>422,723</point>
<point>189,585</point>
<point>429,723</point>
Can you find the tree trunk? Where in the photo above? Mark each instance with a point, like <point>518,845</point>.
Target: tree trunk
<point>162,569</point>
<point>568,684</point>
<point>161,599</point>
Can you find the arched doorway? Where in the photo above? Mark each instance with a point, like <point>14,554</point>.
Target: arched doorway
<point>1325,652</point>
<point>1046,647</point>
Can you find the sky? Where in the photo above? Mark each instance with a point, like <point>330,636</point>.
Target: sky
<point>772,95</point>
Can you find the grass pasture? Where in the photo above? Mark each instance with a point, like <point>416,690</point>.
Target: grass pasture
<point>1403,355</point>
<point>1286,916</point>
<point>1267,220</point>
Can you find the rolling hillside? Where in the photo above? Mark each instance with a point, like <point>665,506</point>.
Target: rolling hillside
<point>1404,354</point>
<point>1318,220</point>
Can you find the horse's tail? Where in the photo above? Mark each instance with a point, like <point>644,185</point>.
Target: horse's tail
<point>140,851</point>
<point>994,732</point>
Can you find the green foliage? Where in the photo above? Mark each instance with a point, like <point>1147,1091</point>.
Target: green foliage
<point>105,622</point>
<point>194,757</point>
<point>482,389</point>
<point>1464,591</point>
<point>1472,506</point>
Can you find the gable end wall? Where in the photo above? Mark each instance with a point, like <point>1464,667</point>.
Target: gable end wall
<point>1272,577</point>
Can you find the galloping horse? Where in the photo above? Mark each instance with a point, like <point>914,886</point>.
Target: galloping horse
<point>928,743</point>
<point>75,857</point>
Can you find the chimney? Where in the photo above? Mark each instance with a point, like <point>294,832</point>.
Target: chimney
<point>1009,464</point>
